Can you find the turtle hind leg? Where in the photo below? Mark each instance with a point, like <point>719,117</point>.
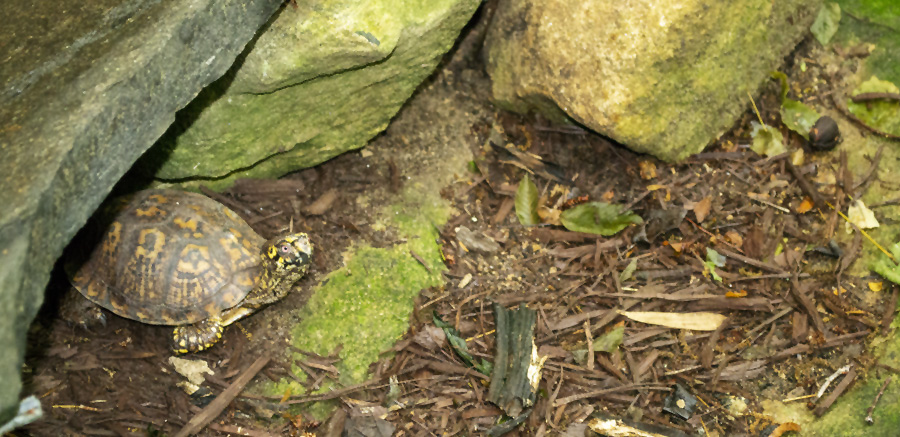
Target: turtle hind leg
<point>198,336</point>
<point>205,333</point>
<point>76,310</point>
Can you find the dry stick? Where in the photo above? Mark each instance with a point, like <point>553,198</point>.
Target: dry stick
<point>841,106</point>
<point>867,97</point>
<point>859,188</point>
<point>595,393</point>
<point>221,401</point>
<point>750,261</point>
<point>807,304</point>
<point>807,188</point>
<point>869,418</point>
<point>590,344</point>
<point>838,391</point>
<point>889,311</point>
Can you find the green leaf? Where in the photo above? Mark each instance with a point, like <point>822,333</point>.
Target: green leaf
<point>826,24</point>
<point>714,259</point>
<point>883,115</point>
<point>459,345</point>
<point>797,116</point>
<point>609,341</point>
<point>886,267</point>
<point>527,202</point>
<point>598,218</point>
<point>766,140</point>
<point>628,272</point>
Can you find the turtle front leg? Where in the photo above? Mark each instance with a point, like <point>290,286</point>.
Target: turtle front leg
<point>205,333</point>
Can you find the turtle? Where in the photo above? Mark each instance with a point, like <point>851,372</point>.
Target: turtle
<point>170,257</point>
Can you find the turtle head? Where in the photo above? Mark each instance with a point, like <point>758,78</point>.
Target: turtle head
<point>288,255</point>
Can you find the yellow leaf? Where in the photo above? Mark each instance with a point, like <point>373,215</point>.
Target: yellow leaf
<point>287,395</point>
<point>739,293</point>
<point>701,321</point>
<point>655,187</point>
<point>676,246</point>
<point>876,286</point>
<point>648,170</point>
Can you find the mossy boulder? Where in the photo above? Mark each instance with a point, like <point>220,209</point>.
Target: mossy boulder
<point>661,77</point>
<point>323,79</point>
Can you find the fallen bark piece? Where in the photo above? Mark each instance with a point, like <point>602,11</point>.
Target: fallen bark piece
<point>701,321</point>
<point>517,365</point>
<point>218,404</point>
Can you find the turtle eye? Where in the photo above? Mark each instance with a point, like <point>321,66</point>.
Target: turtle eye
<point>285,248</point>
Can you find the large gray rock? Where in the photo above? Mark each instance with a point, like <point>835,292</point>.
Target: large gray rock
<point>665,77</point>
<point>322,79</point>
<point>86,88</point>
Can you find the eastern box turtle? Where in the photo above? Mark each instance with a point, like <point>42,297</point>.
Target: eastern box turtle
<point>168,257</point>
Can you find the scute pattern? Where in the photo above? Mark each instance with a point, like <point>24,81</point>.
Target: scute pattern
<point>171,257</point>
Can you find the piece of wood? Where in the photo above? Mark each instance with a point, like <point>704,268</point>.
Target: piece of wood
<point>838,391</point>
<point>510,387</point>
<point>221,401</point>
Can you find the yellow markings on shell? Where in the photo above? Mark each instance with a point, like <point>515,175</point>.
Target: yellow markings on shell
<point>112,240</point>
<point>198,235</point>
<point>158,242</point>
<point>236,232</point>
<point>92,289</point>
<point>234,252</point>
<point>151,211</point>
<point>230,214</point>
<point>211,308</point>
<point>118,307</point>
<point>246,281</point>
<point>167,320</point>
<point>141,315</point>
<point>201,265</point>
<point>186,224</point>
<point>159,198</point>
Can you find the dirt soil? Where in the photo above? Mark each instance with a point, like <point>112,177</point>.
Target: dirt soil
<point>794,317</point>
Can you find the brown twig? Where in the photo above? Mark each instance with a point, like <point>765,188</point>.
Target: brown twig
<point>208,414</point>
<point>838,391</point>
<point>806,186</point>
<point>807,304</point>
<point>868,97</point>
<point>750,261</point>
<point>841,106</point>
<point>869,418</point>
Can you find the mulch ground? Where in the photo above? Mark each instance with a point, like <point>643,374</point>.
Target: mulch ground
<point>794,317</point>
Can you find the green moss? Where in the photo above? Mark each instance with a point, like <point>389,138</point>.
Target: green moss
<point>365,306</point>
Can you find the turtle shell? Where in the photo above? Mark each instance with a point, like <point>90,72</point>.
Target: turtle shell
<point>168,257</point>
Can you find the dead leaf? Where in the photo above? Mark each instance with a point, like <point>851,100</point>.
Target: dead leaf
<point>734,238</point>
<point>323,203</point>
<point>701,208</point>
<point>861,216</point>
<point>701,321</point>
<point>805,205</point>
<point>739,293</point>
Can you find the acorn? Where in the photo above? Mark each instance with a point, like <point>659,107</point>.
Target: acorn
<point>825,134</point>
